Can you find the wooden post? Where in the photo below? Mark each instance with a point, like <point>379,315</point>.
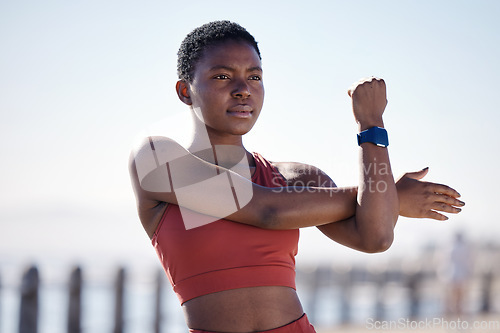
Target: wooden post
<point>379,279</point>
<point>313,280</point>
<point>486,291</point>
<point>413,281</point>
<point>75,301</point>
<point>158,303</point>
<point>28,318</point>
<point>119,300</point>
<point>345,279</point>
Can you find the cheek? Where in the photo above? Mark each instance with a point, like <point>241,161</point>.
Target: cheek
<point>207,98</point>
<point>260,92</point>
<point>197,97</point>
<point>206,106</point>
<point>259,97</point>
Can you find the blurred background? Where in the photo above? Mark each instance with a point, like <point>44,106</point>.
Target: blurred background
<point>81,80</point>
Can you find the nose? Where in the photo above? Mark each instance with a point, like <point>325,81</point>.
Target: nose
<point>241,90</point>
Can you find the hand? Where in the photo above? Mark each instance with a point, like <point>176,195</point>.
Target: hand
<point>368,102</point>
<point>421,199</point>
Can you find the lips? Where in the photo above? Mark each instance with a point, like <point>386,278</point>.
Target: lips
<point>241,111</point>
<point>241,108</point>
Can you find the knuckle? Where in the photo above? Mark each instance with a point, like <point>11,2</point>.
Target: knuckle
<point>446,189</point>
<point>428,195</point>
<point>445,198</point>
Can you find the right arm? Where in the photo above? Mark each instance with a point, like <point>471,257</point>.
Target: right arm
<point>155,181</point>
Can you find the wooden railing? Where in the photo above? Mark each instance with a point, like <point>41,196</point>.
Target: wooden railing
<point>314,281</point>
<point>29,308</point>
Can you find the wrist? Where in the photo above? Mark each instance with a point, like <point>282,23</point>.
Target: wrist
<point>366,124</point>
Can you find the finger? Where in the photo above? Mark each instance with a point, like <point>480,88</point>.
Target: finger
<point>378,80</point>
<point>436,216</point>
<point>444,189</point>
<point>353,87</point>
<point>418,174</point>
<point>448,200</point>
<point>442,207</point>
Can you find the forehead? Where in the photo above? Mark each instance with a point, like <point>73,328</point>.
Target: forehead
<point>229,54</point>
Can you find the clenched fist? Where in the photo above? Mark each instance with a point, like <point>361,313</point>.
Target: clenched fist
<point>368,102</point>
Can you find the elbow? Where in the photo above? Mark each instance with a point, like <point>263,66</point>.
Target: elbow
<point>382,239</point>
<point>375,234</point>
<point>379,241</point>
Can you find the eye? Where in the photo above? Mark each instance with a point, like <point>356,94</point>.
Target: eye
<point>221,77</point>
<point>256,77</point>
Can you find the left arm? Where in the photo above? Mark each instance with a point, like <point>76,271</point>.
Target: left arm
<point>417,199</point>
<point>365,237</point>
<point>371,229</point>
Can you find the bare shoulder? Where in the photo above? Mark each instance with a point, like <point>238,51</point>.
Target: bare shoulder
<point>150,182</point>
<point>143,158</point>
<point>161,146</point>
<point>302,174</point>
<point>144,161</point>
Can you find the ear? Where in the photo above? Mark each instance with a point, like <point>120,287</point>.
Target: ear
<point>182,88</point>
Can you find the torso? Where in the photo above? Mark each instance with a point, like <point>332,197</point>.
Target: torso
<point>244,309</point>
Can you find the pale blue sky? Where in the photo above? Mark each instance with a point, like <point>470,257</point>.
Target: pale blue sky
<point>79,80</point>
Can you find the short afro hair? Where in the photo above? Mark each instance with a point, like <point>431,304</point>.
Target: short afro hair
<point>197,41</point>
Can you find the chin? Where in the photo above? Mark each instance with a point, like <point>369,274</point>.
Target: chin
<point>242,131</point>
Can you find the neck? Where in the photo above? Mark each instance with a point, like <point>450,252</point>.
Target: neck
<point>226,151</point>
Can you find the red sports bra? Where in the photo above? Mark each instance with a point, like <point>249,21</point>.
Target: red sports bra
<point>226,255</point>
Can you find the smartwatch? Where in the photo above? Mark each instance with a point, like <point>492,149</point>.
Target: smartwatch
<point>375,135</point>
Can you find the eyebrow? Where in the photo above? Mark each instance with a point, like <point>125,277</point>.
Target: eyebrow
<point>229,68</point>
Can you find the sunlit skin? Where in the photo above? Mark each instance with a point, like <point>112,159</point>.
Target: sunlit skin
<point>227,80</point>
<point>228,89</point>
<point>226,96</point>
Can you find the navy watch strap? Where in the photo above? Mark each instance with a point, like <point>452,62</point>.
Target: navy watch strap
<point>375,135</point>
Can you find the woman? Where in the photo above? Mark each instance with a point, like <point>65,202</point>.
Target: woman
<point>225,221</point>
